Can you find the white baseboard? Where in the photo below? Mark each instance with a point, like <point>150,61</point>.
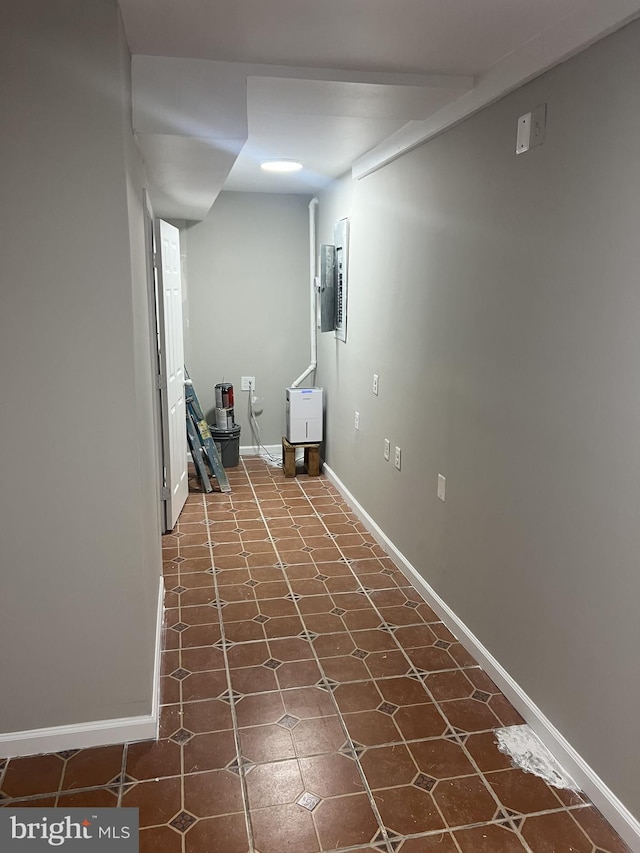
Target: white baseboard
<point>157,662</point>
<point>96,732</point>
<point>598,792</point>
<point>274,449</point>
<point>254,450</point>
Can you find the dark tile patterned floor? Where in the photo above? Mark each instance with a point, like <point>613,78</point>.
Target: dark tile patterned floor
<point>311,701</point>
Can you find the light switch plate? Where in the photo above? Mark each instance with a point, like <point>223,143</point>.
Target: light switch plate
<point>531,129</point>
<point>523,136</point>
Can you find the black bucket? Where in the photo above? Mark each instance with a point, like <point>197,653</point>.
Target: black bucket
<point>228,443</point>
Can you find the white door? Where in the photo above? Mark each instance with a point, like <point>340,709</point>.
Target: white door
<point>171,357</point>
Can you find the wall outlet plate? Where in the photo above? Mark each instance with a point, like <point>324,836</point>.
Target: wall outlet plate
<point>387,449</point>
<point>523,134</point>
<point>356,420</point>
<point>397,458</point>
<point>442,483</point>
<point>376,380</point>
<point>531,129</point>
<point>247,383</point>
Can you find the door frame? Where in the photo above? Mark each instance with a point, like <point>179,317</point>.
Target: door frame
<point>171,376</point>
<point>154,338</point>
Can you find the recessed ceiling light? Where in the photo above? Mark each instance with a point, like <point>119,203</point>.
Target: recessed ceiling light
<point>281,166</point>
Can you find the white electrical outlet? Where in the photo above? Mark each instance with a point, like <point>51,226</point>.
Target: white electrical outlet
<point>397,458</point>
<point>248,383</point>
<point>531,129</point>
<point>523,133</point>
<point>375,383</point>
<point>387,449</point>
<point>442,483</point>
<point>356,421</point>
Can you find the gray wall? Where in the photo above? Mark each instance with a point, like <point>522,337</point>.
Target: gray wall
<point>248,302</point>
<point>497,297</point>
<point>78,487</point>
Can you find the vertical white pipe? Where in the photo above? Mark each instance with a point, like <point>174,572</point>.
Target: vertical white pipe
<point>313,204</point>
<point>313,304</point>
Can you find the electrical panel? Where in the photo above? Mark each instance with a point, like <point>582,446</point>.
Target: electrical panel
<point>327,288</point>
<point>334,273</point>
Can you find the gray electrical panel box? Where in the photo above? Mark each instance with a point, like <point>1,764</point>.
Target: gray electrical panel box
<point>327,288</point>
<point>334,266</point>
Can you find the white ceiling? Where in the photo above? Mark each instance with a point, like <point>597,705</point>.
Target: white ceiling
<point>219,85</point>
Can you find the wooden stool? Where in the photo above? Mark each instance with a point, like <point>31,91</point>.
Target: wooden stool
<point>311,458</point>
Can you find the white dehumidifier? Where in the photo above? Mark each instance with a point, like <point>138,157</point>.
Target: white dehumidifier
<point>304,415</point>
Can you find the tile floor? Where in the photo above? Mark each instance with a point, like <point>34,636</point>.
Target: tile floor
<point>311,702</point>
